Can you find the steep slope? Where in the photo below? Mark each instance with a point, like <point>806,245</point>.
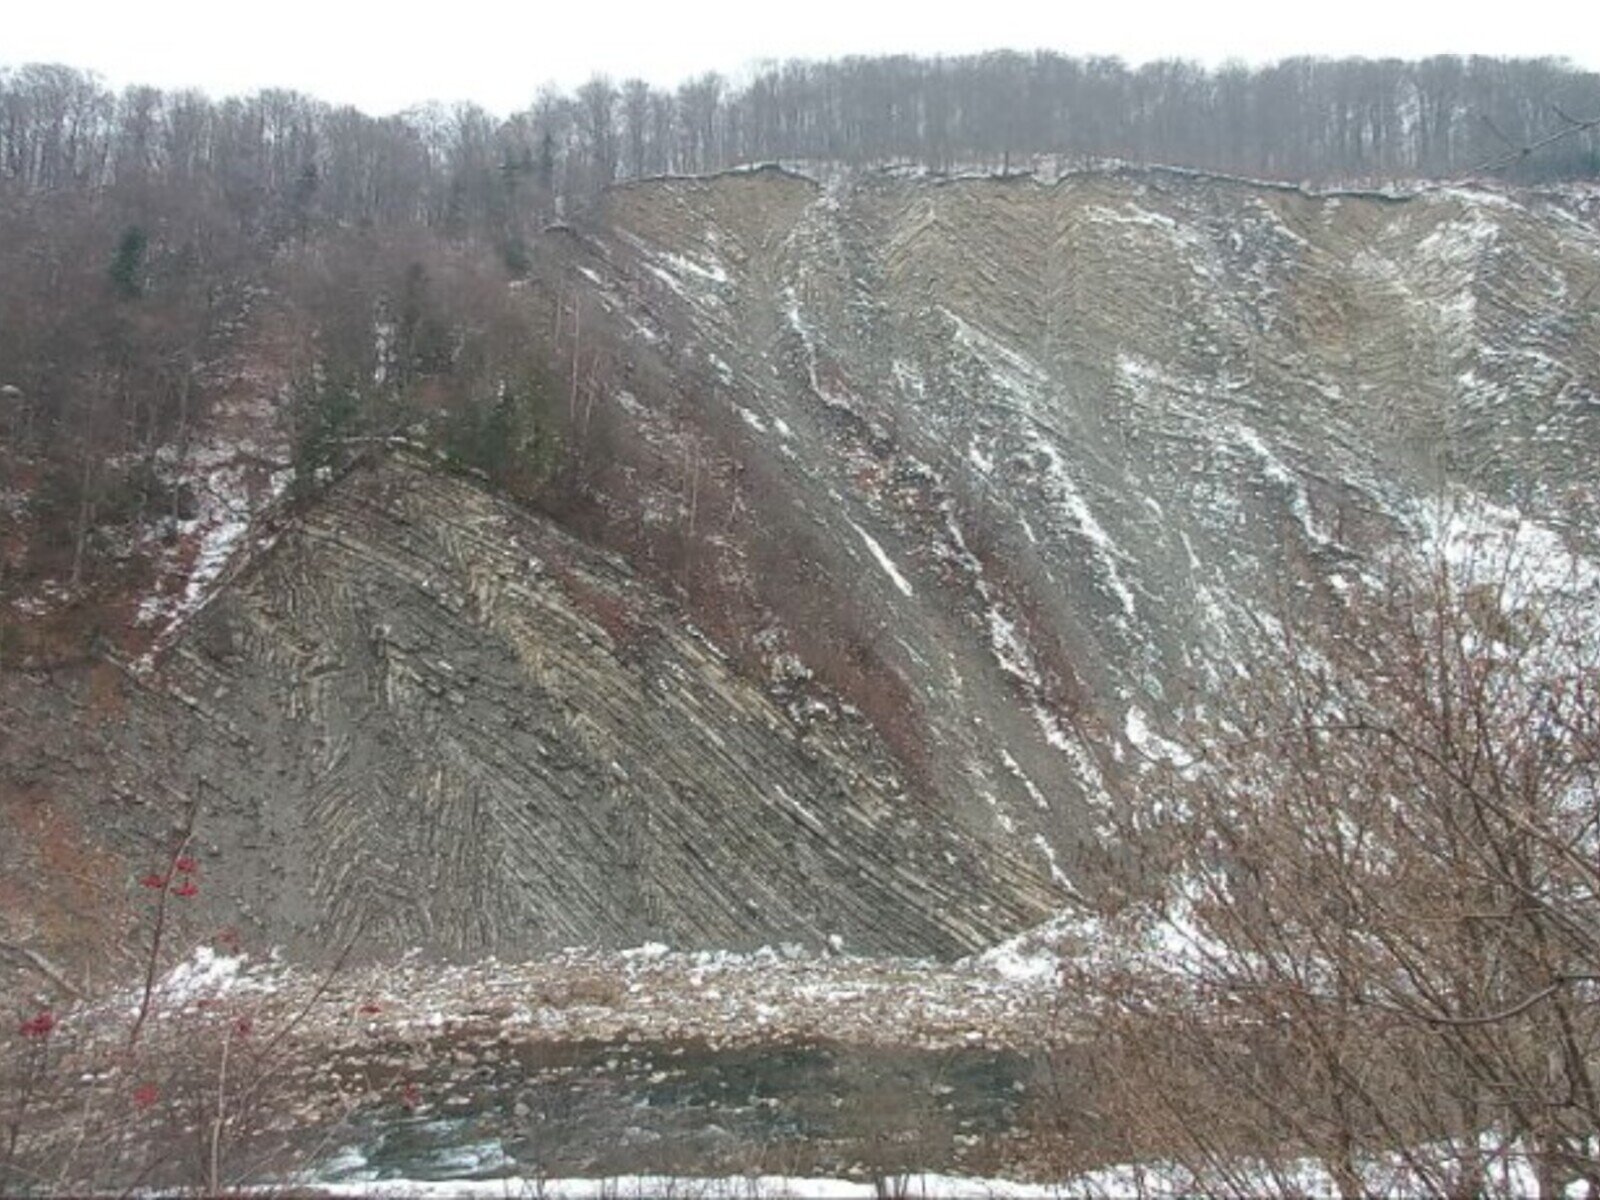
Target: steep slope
<point>901,515</point>
<point>435,719</point>
<point>1021,468</point>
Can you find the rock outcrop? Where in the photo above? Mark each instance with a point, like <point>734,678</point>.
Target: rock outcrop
<point>429,719</point>
<point>904,514</point>
<point>1023,468</point>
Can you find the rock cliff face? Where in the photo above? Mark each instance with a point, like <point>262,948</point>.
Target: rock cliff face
<point>432,718</point>
<point>1044,460</point>
<point>908,512</point>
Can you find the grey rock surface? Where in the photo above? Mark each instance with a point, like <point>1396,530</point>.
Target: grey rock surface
<point>426,718</point>
<point>1058,455</point>
<point>907,514</point>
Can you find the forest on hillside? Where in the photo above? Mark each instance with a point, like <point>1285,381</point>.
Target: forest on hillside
<point>159,250</point>
<point>283,155</point>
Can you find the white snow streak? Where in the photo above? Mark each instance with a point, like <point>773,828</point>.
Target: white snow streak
<point>884,561</point>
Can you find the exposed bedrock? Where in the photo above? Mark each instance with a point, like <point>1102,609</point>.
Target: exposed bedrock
<point>903,516</point>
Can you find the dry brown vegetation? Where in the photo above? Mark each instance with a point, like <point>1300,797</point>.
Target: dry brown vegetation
<point>1367,932</point>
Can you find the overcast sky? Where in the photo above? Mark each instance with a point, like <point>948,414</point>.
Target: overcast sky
<point>386,57</point>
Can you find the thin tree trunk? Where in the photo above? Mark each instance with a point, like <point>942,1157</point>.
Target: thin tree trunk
<point>85,514</point>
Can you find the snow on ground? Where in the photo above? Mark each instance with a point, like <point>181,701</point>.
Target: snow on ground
<point>1048,853</point>
<point>1012,371</point>
<point>1460,243</point>
<point>1484,542</point>
<point>1015,658</point>
<point>1541,587</point>
<point>803,329</point>
<point>1061,488</point>
<point>1010,651</point>
<point>1166,946</point>
<point>1274,469</point>
<point>202,979</point>
<point>884,561</point>
<point>649,993</point>
<point>1505,1170</point>
<point>207,973</point>
<point>1150,743</point>
<point>1028,785</point>
<point>711,271</point>
<point>232,476</point>
<point>732,1187</point>
<point>1131,215</point>
<point>1023,383</point>
<point>232,485</point>
<point>699,282</point>
<point>752,998</point>
<point>1504,1174</point>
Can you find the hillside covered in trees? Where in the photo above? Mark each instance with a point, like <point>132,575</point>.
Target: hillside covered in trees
<point>289,156</point>
<point>159,251</point>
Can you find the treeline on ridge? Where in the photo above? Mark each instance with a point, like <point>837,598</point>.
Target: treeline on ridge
<point>161,251</point>
<point>1300,119</point>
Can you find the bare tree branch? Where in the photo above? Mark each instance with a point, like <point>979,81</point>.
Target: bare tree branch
<point>41,964</point>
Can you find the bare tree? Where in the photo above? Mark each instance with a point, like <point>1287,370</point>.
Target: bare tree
<point>1370,937</point>
<point>597,110</point>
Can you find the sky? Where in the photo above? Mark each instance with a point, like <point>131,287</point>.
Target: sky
<point>386,57</point>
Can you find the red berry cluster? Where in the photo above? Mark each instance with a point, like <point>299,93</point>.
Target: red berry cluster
<point>39,1026</point>
<point>184,869</point>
